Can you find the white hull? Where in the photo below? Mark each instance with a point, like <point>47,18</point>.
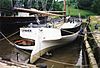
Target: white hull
<point>51,44</point>
<point>46,39</point>
<point>25,47</point>
<point>46,45</point>
<point>64,40</point>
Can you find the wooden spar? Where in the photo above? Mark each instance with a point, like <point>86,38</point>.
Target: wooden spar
<point>36,11</point>
<point>93,63</point>
<point>56,11</point>
<point>64,10</point>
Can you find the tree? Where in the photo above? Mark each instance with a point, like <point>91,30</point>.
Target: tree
<point>5,5</point>
<point>57,6</point>
<point>96,6</point>
<point>85,4</point>
<point>46,5</point>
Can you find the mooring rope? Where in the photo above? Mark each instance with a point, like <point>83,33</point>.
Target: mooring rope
<point>9,35</point>
<point>59,62</point>
<point>6,38</point>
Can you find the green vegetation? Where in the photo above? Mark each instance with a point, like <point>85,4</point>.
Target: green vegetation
<point>92,26</point>
<point>6,4</point>
<point>75,12</point>
<point>86,7</point>
<point>94,20</point>
<point>92,5</point>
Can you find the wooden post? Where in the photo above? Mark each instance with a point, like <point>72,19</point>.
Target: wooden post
<point>64,10</point>
<point>17,56</point>
<point>93,63</point>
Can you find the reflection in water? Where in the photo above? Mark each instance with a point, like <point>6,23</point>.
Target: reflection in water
<point>69,53</point>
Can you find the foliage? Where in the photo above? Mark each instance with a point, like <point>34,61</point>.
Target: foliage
<point>47,5</point>
<point>94,20</point>
<point>72,5</point>
<point>5,5</point>
<point>92,5</point>
<point>96,6</point>
<point>58,6</point>
<point>75,12</point>
<point>85,4</point>
<point>71,2</point>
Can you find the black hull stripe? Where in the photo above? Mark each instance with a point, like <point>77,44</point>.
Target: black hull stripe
<point>70,31</point>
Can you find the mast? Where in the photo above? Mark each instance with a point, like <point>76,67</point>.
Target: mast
<point>64,10</point>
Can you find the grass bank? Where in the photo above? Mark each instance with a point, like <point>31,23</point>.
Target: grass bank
<point>75,12</point>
